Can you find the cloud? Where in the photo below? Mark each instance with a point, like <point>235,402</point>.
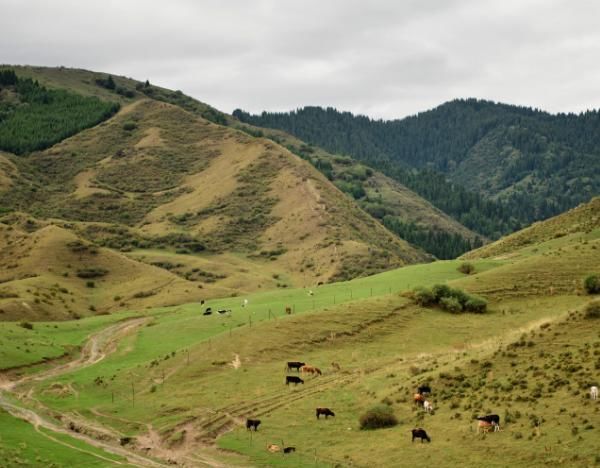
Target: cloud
<point>382,58</point>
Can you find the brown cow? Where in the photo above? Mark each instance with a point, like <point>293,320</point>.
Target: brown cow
<point>311,370</point>
<point>418,399</point>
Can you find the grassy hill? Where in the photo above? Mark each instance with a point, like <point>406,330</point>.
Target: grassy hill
<point>173,198</point>
<point>218,370</point>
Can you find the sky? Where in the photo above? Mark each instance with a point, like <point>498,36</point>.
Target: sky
<point>385,59</point>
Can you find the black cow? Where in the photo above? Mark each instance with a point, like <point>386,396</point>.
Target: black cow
<point>223,311</point>
<point>420,434</point>
<point>491,418</point>
<point>252,423</point>
<point>289,449</point>
<point>293,379</point>
<point>295,365</point>
<point>424,389</point>
<point>208,311</point>
<point>325,411</point>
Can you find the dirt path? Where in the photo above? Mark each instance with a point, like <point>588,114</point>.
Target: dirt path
<point>96,348</point>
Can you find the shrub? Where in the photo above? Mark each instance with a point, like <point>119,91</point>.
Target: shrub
<point>129,126</point>
<point>451,304</point>
<point>592,310</point>
<point>378,417</point>
<point>592,284</point>
<point>441,290</point>
<point>27,325</point>
<point>466,268</point>
<point>90,284</point>
<point>424,297</point>
<point>476,304</point>
<point>88,273</point>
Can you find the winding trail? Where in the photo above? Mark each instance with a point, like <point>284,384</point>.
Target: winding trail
<point>95,350</point>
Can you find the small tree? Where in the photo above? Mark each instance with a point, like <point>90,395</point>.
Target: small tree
<point>592,310</point>
<point>466,268</point>
<point>592,284</point>
<point>378,417</point>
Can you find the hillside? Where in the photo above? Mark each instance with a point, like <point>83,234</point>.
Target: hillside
<point>526,164</point>
<point>400,209</point>
<point>204,204</point>
<point>579,224</point>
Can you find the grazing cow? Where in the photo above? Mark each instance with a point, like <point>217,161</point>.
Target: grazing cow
<point>208,311</point>
<point>420,434</point>
<point>293,379</point>
<point>594,392</point>
<point>427,406</point>
<point>485,426</point>
<point>310,370</point>
<point>324,411</point>
<point>418,399</point>
<point>336,366</point>
<point>222,311</point>
<point>289,449</point>
<point>491,418</point>
<point>252,423</point>
<point>288,310</point>
<point>273,448</point>
<point>295,365</point>
<point>424,389</point>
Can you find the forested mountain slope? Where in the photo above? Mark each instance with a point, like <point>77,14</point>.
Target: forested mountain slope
<point>527,164</point>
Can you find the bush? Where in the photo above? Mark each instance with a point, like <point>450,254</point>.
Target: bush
<point>592,310</point>
<point>592,284</point>
<point>441,290</point>
<point>476,304</point>
<point>88,273</point>
<point>466,268</point>
<point>451,304</point>
<point>129,126</point>
<point>27,325</point>
<point>90,284</point>
<point>424,297</point>
<point>378,417</point>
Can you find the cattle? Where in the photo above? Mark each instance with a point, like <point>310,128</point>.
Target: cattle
<point>293,379</point>
<point>252,423</point>
<point>310,370</point>
<point>289,449</point>
<point>420,434</point>
<point>223,311</point>
<point>594,392</point>
<point>424,389</point>
<point>418,399</point>
<point>485,426</point>
<point>427,406</point>
<point>324,411</point>
<point>491,418</point>
<point>294,365</point>
<point>273,448</point>
<point>288,310</point>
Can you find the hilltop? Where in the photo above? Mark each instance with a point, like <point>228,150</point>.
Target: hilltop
<point>494,167</point>
<point>171,195</point>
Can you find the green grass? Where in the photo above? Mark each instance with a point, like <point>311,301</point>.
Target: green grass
<point>22,445</point>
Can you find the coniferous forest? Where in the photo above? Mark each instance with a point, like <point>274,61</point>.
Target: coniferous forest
<point>493,167</point>
<point>34,118</point>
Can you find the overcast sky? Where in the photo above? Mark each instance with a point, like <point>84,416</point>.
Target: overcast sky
<point>385,59</point>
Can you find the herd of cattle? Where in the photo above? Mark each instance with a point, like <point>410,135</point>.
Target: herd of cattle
<point>485,423</point>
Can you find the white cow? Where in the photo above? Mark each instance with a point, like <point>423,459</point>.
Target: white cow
<point>594,392</point>
<point>428,406</point>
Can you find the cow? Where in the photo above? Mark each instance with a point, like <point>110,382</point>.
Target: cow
<point>273,448</point>
<point>427,406</point>
<point>418,399</point>
<point>310,370</point>
<point>289,449</point>
<point>324,411</point>
<point>420,434</point>
<point>223,311</point>
<point>288,310</point>
<point>424,389</point>
<point>491,418</point>
<point>208,311</point>
<point>485,426</point>
<point>594,392</point>
<point>293,379</point>
<point>252,423</point>
<point>294,365</point>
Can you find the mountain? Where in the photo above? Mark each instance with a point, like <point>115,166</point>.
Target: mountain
<point>493,167</point>
<point>166,193</point>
